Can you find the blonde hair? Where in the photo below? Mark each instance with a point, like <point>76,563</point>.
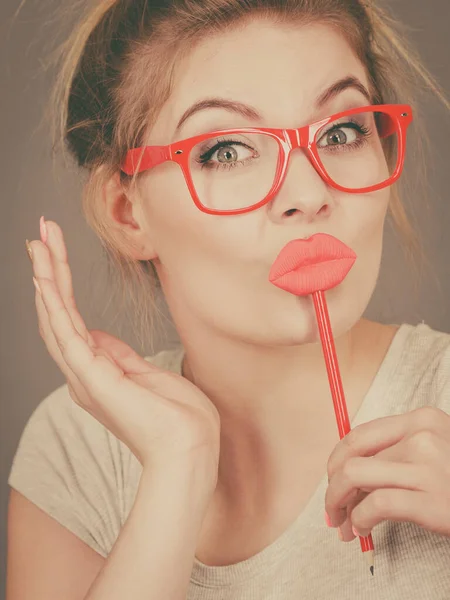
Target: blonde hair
<point>117,71</point>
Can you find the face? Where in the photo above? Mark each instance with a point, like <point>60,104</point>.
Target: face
<point>214,269</point>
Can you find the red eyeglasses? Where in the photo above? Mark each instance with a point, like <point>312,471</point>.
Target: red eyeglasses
<point>234,171</point>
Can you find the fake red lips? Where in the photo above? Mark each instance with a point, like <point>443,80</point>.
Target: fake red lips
<point>305,266</point>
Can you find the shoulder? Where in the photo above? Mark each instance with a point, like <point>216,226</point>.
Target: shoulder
<point>424,361</point>
<point>424,346</point>
<point>73,468</point>
<point>424,336</point>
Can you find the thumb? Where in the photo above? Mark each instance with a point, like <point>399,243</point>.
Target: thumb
<point>123,355</point>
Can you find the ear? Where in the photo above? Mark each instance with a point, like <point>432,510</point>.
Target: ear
<point>124,214</point>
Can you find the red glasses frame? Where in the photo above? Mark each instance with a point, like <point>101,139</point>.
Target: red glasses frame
<point>142,159</point>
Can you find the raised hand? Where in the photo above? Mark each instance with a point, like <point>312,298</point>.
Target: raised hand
<point>393,468</point>
<point>161,416</point>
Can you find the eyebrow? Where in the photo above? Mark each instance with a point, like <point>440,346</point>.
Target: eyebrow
<point>252,114</point>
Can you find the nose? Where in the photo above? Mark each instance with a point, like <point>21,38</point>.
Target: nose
<point>303,196</point>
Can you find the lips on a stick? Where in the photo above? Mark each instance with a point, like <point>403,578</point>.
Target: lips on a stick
<point>313,266</point>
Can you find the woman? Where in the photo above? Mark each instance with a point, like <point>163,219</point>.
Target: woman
<point>204,472</point>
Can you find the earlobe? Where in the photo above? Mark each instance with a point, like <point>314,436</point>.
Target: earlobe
<point>125,216</point>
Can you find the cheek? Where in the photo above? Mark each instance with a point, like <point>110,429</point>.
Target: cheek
<point>191,246</point>
<point>369,216</point>
<point>368,219</point>
<point>171,213</point>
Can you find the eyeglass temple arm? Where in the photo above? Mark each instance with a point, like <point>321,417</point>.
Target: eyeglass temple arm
<point>141,159</point>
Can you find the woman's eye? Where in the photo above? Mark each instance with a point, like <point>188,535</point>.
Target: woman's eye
<point>227,153</point>
<point>338,137</point>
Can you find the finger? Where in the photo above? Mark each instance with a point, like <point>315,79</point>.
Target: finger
<point>41,254</point>
<point>346,527</point>
<point>98,374</point>
<point>422,447</point>
<point>363,474</point>
<point>41,267</point>
<point>53,264</point>
<point>370,438</point>
<point>427,447</point>
<point>418,507</point>
<point>47,336</point>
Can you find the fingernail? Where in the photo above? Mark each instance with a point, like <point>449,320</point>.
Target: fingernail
<point>355,532</point>
<point>36,285</point>
<point>29,250</point>
<point>340,534</point>
<point>43,228</point>
<point>328,520</point>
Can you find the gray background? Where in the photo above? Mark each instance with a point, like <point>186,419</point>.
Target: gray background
<point>31,186</point>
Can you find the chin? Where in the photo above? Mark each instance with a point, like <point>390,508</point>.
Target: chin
<point>345,309</point>
<point>298,327</point>
<point>347,306</point>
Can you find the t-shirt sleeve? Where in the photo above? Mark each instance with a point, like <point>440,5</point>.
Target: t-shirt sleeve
<point>70,466</point>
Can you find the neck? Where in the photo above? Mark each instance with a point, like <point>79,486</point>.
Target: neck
<point>274,403</point>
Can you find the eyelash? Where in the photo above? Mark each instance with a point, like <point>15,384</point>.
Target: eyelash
<point>363,130</point>
<point>204,158</point>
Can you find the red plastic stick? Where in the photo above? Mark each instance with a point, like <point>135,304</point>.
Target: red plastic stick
<point>334,377</point>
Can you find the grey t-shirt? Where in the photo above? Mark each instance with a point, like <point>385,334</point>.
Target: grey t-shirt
<point>74,469</point>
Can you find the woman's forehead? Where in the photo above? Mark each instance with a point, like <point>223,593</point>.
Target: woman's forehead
<point>263,56</point>
<point>280,70</point>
